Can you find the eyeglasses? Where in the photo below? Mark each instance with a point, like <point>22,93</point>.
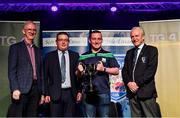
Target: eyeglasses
<point>66,40</point>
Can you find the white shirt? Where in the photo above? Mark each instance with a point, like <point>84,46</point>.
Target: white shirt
<point>139,50</point>
<point>67,83</point>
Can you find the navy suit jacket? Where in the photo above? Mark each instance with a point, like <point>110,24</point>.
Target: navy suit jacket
<point>145,71</point>
<point>53,74</point>
<point>20,70</point>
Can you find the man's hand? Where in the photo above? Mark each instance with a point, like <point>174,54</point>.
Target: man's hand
<point>42,100</point>
<point>100,66</point>
<point>80,70</point>
<point>47,99</point>
<point>133,86</point>
<point>80,67</point>
<point>79,97</point>
<point>16,94</point>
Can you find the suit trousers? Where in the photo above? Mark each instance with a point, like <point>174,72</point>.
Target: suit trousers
<point>65,106</point>
<point>27,105</point>
<point>144,107</point>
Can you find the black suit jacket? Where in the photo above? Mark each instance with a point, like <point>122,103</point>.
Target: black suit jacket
<point>144,74</point>
<point>20,70</point>
<point>53,74</point>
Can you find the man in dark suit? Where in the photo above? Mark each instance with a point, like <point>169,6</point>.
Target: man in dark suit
<point>61,81</point>
<point>139,76</point>
<point>25,73</point>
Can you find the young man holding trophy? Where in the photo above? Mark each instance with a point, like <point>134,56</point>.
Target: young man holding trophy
<point>93,70</point>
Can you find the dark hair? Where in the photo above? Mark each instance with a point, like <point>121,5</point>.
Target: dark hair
<point>62,33</point>
<point>94,31</point>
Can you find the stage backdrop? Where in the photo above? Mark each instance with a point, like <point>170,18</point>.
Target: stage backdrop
<point>10,33</point>
<point>165,35</point>
<point>116,41</point>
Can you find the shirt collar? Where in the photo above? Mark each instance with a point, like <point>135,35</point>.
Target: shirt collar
<point>60,52</point>
<point>100,51</point>
<point>141,46</point>
<point>27,44</point>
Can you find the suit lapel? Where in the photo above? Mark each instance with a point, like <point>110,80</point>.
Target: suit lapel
<point>56,59</point>
<point>132,56</point>
<point>70,61</point>
<point>130,60</point>
<point>25,51</point>
<point>141,53</point>
<point>37,56</point>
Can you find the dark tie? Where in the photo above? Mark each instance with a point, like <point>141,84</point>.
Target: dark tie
<point>135,56</point>
<point>134,60</point>
<point>63,68</point>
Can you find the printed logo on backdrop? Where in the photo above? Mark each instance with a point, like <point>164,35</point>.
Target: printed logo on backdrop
<point>116,38</point>
<point>74,41</point>
<point>78,40</point>
<point>7,40</point>
<point>156,37</point>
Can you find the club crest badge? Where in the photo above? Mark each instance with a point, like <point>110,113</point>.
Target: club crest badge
<point>144,60</point>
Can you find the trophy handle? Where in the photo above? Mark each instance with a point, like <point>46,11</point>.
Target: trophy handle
<point>91,86</point>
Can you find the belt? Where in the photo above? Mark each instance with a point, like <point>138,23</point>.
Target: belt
<point>34,81</point>
<point>65,89</point>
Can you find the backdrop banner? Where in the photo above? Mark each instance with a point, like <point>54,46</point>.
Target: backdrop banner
<point>78,40</point>
<point>115,41</point>
<point>118,42</point>
<point>10,33</point>
<point>165,35</point>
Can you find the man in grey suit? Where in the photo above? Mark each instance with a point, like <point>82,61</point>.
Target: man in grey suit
<point>139,76</point>
<point>25,74</point>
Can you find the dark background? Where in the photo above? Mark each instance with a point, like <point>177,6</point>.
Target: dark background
<point>86,20</point>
